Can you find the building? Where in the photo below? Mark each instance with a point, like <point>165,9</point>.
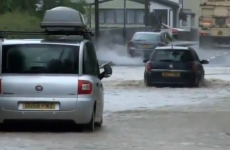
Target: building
<point>192,8</point>
<point>112,12</point>
<point>167,11</point>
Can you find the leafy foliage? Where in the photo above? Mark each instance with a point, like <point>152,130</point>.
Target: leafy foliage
<point>31,6</point>
<point>26,14</point>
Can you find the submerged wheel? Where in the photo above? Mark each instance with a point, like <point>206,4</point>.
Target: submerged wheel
<point>91,125</point>
<point>99,124</point>
<point>147,81</point>
<point>197,82</point>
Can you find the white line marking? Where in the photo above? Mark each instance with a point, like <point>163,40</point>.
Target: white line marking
<point>225,53</point>
<point>213,57</point>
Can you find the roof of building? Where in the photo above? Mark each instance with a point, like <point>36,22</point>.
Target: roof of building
<point>163,2</point>
<point>101,1</point>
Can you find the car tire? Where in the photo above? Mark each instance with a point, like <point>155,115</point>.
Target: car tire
<point>198,82</point>
<point>147,82</point>
<point>91,125</point>
<point>99,124</point>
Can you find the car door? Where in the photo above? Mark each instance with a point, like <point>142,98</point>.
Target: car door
<point>95,74</point>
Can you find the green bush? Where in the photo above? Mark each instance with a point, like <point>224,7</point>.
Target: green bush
<point>19,21</point>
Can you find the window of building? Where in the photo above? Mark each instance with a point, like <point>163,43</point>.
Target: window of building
<point>102,16</point>
<point>139,16</point>
<point>130,17</point>
<point>110,16</point>
<point>116,16</point>
<point>119,16</point>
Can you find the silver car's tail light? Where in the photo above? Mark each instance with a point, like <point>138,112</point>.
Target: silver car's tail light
<point>85,87</point>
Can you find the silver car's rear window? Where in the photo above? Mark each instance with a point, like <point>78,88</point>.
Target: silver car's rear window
<point>40,58</point>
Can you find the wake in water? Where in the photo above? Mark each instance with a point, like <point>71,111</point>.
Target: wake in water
<point>117,54</point>
<point>208,83</point>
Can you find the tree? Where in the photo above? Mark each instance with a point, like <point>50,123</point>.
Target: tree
<point>30,6</point>
<point>19,5</point>
<point>26,14</point>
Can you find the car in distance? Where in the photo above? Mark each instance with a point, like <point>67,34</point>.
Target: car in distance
<point>52,78</point>
<point>143,43</point>
<point>174,65</point>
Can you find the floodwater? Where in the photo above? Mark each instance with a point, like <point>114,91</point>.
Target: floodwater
<point>142,118</point>
<point>125,90</point>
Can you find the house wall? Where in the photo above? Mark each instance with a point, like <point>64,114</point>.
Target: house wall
<point>112,14</point>
<point>159,6</point>
<point>136,10</point>
<point>117,34</point>
<point>193,5</point>
<point>190,6</point>
<point>184,25</point>
<point>177,12</point>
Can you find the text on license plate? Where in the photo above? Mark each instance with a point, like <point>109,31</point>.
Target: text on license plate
<point>171,74</point>
<point>44,106</point>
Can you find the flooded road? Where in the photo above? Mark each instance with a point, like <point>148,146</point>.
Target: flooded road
<point>126,90</point>
<point>141,118</point>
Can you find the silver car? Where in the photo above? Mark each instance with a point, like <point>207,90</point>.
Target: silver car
<point>58,80</point>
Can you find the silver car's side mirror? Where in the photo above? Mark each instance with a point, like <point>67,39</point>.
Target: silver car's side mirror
<point>107,71</point>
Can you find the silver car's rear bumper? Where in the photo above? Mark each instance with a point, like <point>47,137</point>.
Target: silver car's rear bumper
<point>80,115</point>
